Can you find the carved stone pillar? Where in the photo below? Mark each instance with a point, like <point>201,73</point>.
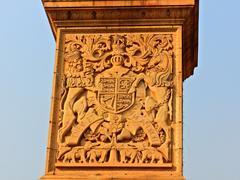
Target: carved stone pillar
<point>117,90</point>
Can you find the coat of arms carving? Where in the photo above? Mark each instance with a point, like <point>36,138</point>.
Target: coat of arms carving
<point>116,101</point>
<point>113,95</point>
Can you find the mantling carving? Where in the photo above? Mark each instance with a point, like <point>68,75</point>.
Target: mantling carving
<point>116,103</point>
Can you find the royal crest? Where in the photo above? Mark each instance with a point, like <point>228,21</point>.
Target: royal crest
<point>113,94</point>
<point>116,105</point>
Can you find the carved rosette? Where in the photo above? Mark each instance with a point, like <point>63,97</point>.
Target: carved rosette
<point>116,103</point>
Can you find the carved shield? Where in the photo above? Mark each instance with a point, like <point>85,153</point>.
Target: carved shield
<point>113,94</point>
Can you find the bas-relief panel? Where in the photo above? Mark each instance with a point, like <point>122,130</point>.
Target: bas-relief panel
<point>117,100</point>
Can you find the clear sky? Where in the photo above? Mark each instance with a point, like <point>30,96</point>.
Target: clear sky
<point>211,96</point>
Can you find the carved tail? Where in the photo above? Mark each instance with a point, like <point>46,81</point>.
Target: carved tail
<point>164,76</point>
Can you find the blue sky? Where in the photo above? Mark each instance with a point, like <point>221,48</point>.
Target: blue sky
<point>211,96</point>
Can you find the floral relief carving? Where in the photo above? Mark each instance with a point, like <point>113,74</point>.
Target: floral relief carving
<point>116,105</point>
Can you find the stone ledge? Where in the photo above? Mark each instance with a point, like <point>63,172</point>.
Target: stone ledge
<point>100,3</point>
<point>126,177</point>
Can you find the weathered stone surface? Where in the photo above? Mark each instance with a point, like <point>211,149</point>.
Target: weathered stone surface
<point>117,89</point>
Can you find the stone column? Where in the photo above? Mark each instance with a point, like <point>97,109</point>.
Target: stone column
<point>117,89</point>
